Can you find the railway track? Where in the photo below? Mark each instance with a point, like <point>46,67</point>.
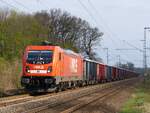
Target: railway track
<point>11,100</point>
<point>7,101</point>
<point>53,100</point>
<point>87,101</point>
<point>75,104</point>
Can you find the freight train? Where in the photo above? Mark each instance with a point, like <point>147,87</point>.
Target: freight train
<point>52,67</point>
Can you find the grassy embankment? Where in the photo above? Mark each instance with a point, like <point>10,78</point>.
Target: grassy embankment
<point>140,100</point>
<point>10,73</point>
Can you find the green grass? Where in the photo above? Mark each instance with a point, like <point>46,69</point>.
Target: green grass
<point>131,106</point>
<point>140,97</point>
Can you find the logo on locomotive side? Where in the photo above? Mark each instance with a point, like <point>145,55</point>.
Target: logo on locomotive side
<point>74,65</point>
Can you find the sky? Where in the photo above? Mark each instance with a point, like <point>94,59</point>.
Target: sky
<point>121,21</point>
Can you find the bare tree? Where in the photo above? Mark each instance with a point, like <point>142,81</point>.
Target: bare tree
<point>90,37</point>
<point>66,29</point>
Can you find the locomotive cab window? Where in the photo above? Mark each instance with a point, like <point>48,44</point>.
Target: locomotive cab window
<point>39,57</point>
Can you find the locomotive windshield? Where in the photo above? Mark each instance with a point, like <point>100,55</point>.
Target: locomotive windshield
<point>39,57</point>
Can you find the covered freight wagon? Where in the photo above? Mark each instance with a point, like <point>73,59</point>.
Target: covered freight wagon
<point>109,73</point>
<point>90,71</point>
<point>101,72</point>
<point>114,73</point>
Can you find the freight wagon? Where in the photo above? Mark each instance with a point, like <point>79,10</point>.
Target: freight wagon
<point>90,71</point>
<point>101,76</point>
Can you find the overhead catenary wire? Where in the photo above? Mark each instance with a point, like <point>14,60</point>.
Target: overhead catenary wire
<point>112,57</point>
<point>106,26</point>
<point>133,46</point>
<point>108,29</point>
<point>125,57</point>
<point>129,44</point>
<point>26,8</point>
<point>92,17</point>
<point>89,12</point>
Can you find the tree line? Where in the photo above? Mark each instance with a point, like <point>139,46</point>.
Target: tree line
<point>17,30</point>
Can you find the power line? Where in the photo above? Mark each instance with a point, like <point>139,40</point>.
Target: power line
<point>128,49</point>
<point>113,56</point>
<point>107,26</point>
<point>90,14</point>
<point>110,30</point>
<point>97,12</point>
<point>124,55</point>
<point>133,46</point>
<point>93,7</point>
<point>21,5</point>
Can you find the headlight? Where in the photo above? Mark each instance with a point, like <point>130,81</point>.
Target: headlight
<point>27,69</point>
<point>49,69</point>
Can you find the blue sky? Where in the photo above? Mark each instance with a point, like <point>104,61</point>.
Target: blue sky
<point>118,19</point>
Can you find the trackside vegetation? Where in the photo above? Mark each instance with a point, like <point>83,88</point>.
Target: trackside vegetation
<point>18,29</point>
<point>140,100</point>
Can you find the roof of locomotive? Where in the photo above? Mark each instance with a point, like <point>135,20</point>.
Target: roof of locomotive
<point>40,47</point>
<point>51,47</point>
<point>70,52</point>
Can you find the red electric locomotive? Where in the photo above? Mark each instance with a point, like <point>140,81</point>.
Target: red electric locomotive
<point>47,67</point>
